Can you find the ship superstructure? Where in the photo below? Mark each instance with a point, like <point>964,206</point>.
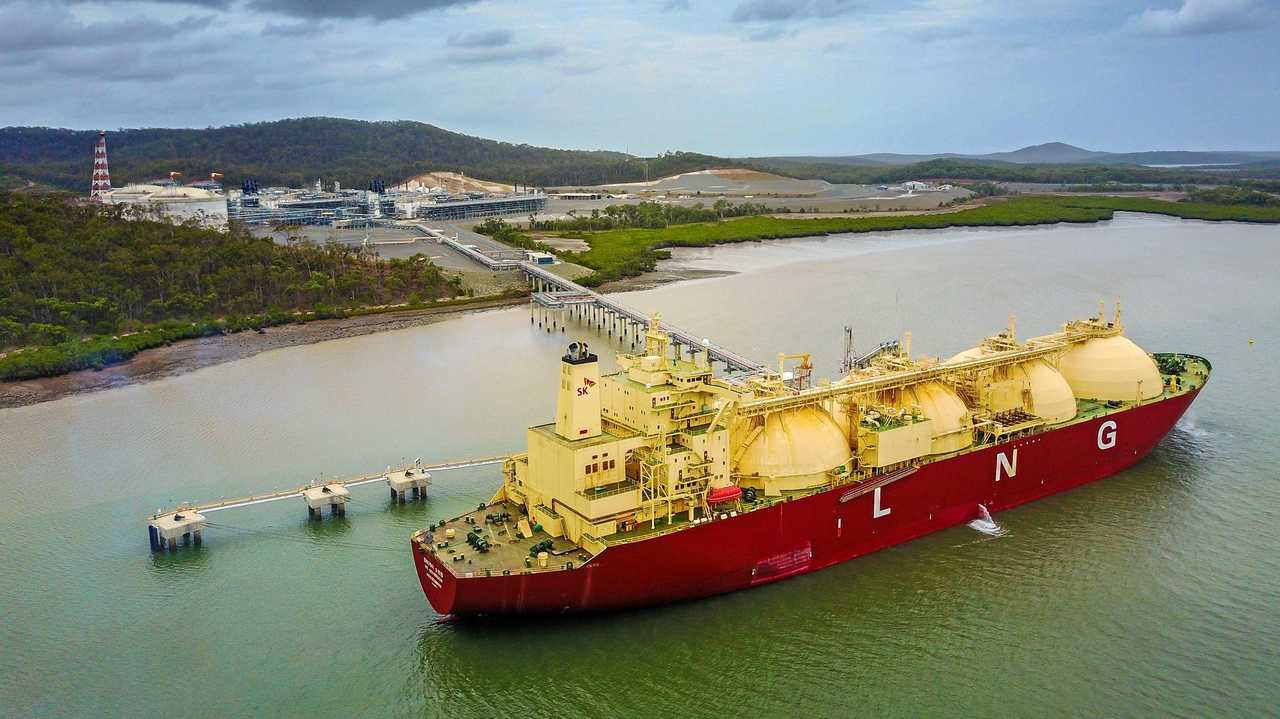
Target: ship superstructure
<point>663,481</point>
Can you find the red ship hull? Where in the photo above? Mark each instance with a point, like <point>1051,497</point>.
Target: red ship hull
<point>814,532</point>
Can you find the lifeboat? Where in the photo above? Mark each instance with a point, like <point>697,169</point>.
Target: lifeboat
<point>720,495</point>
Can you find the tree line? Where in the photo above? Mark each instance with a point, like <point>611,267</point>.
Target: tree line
<point>71,270</point>
<point>652,215</point>
<point>296,152</point>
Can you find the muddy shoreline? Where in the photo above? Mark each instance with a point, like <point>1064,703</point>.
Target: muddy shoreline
<point>193,354</point>
<point>190,355</point>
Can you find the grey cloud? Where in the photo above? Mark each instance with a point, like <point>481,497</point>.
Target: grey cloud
<point>32,28</point>
<point>937,33</point>
<point>767,34</point>
<point>294,29</point>
<point>353,9</point>
<point>781,10</point>
<point>1205,17</point>
<point>484,38</point>
<point>504,54</point>
<point>128,63</point>
<point>207,4</point>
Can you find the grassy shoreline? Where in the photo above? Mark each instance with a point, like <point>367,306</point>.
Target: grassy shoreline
<point>99,352</point>
<point>616,254</point>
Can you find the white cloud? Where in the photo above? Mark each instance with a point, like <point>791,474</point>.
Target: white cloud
<point>1205,17</point>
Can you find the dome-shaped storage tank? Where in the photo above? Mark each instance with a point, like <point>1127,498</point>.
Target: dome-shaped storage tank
<point>796,449</point>
<point>1110,368</point>
<point>952,422</point>
<point>1051,395</point>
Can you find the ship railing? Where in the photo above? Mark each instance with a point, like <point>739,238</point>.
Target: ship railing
<point>627,485</point>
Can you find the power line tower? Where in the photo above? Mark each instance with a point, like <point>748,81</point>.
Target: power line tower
<point>101,177</point>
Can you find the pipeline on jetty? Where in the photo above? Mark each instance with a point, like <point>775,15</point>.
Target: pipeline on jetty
<point>186,523</point>
<point>553,301</point>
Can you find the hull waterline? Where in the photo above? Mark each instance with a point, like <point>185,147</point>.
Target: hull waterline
<point>809,533</point>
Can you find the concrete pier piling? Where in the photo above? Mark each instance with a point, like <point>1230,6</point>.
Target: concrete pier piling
<point>333,496</point>
<point>165,530</point>
<point>408,483</point>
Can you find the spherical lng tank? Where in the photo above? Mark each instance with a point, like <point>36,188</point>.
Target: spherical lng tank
<point>952,421</point>
<point>1110,368</point>
<point>795,449</point>
<point>1051,396</point>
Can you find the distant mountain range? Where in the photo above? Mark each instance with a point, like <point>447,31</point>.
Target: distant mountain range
<point>296,152</point>
<point>1049,153</point>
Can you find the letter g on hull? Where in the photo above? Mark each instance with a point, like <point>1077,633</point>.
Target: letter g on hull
<point>1107,435</point>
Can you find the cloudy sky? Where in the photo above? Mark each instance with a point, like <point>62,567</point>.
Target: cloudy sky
<point>733,77</point>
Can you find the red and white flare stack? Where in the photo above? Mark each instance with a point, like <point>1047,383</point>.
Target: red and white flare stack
<point>101,177</point>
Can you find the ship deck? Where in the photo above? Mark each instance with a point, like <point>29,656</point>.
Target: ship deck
<point>507,550</point>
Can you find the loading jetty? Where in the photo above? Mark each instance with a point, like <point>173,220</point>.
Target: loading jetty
<point>554,302</point>
<point>186,523</point>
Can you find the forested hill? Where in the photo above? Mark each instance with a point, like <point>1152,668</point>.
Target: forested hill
<point>295,152</point>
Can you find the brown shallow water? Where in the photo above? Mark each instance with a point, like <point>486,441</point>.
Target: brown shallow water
<point>1150,594</point>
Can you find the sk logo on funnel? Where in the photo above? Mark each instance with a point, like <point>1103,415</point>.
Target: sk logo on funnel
<point>586,386</point>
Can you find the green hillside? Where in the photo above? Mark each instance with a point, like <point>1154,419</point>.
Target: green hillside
<point>297,151</point>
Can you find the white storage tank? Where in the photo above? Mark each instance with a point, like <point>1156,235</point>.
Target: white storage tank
<point>1110,368</point>
<point>799,446</point>
<point>952,421</point>
<point>1051,396</point>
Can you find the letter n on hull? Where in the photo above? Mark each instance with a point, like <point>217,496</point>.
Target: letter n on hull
<point>1006,467</point>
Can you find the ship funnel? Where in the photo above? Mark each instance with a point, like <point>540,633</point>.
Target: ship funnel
<point>578,403</point>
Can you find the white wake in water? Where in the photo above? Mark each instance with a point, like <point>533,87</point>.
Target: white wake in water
<point>985,524</point>
<point>1188,426</point>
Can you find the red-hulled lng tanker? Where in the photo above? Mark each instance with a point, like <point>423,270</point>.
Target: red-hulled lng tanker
<point>663,482</point>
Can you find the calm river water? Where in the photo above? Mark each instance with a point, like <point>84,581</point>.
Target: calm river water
<point>1156,592</point>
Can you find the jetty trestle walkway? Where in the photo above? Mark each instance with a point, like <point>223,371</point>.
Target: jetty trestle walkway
<point>554,297</point>
<point>186,522</point>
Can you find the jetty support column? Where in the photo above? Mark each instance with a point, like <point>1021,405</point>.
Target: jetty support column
<point>408,483</point>
<point>165,530</point>
<point>333,496</point>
